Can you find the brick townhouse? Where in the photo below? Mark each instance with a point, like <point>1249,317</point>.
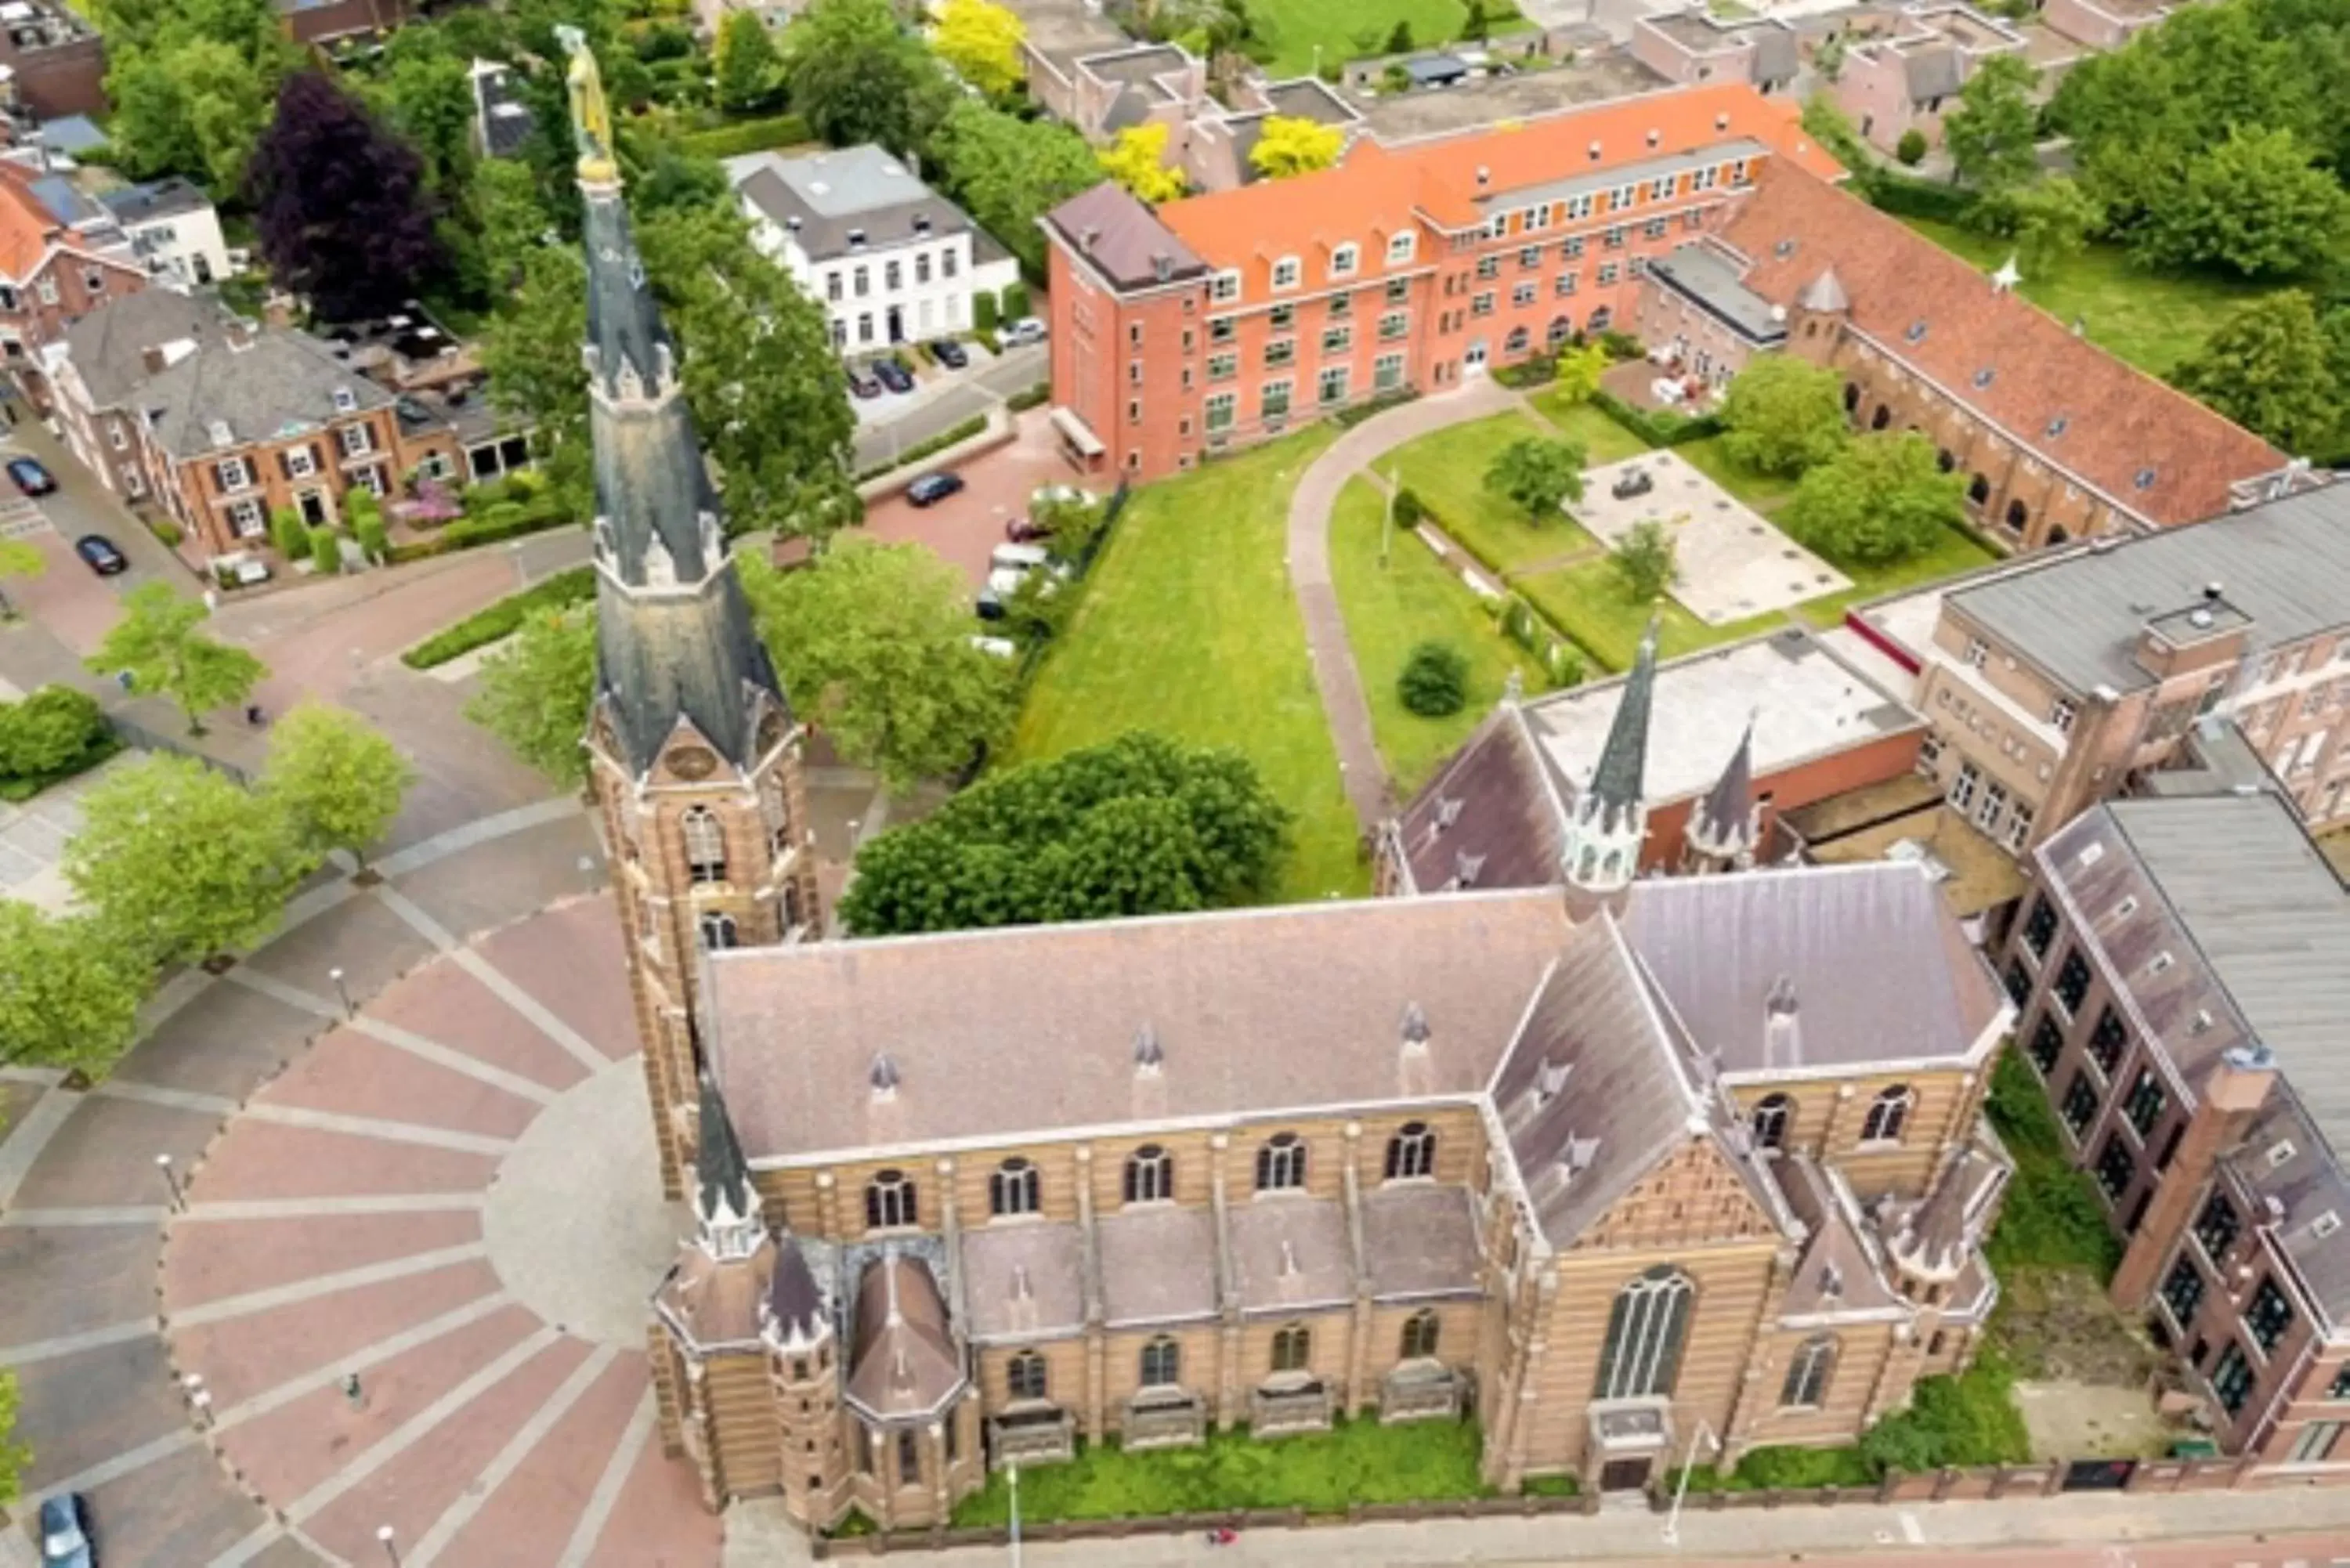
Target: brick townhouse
<point>2058,683</point>
<point>61,256</point>
<point>2183,971</point>
<point>1225,318</point>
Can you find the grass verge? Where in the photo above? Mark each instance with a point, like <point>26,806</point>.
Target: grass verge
<point>1189,627</point>
<point>502,618</point>
<point>1587,603</point>
<point>1446,469</point>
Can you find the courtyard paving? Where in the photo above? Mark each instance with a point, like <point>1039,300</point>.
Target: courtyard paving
<point>1732,563</point>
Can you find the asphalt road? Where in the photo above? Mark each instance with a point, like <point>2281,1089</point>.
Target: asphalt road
<point>1014,373</point>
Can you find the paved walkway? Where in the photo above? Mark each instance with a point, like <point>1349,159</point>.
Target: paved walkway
<point>1344,705</point>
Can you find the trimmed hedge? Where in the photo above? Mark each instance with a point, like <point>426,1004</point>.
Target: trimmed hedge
<point>52,734</point>
<point>1021,402</point>
<point>502,618</point>
<point>747,136</point>
<point>1908,198</point>
<point>499,521</point>
<point>920,449</point>
<point>1658,427</point>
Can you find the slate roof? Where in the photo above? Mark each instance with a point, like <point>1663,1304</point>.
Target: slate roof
<point>2285,563</point>
<point>109,346</point>
<point>1933,310</point>
<point>166,198</point>
<point>1496,807</point>
<point>825,198</point>
<point>264,383</point>
<point>1703,275</point>
<point>1122,238</point>
<point>905,1362</point>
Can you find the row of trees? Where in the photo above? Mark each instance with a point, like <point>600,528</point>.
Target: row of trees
<point>1860,499</point>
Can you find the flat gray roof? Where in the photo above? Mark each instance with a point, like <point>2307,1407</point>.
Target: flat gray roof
<point>2285,563</point>
<point>824,199</point>
<point>1705,277</point>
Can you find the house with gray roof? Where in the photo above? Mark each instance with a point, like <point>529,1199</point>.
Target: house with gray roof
<point>174,228</point>
<point>1909,76</point>
<point>891,260</point>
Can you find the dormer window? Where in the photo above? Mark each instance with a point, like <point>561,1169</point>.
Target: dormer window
<point>346,401</point>
<point>220,432</point>
<point>1286,272</point>
<point>1402,247</point>
<point>1344,260</point>
<point>2144,479</point>
<point>1225,288</point>
<point>1916,333</point>
<point>1982,378</point>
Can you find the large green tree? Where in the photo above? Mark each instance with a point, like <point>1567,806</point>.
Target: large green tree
<point>2256,203</point>
<point>1008,171</point>
<point>159,644</point>
<point>1783,415</point>
<point>874,644</point>
<point>1140,825</point>
<point>51,732</point>
<point>427,93</point>
<point>2049,220</point>
<point>1538,475</point>
<point>192,84</point>
<point>855,74</point>
<point>1884,498</point>
<point>534,692</point>
<point>68,999</point>
<point>336,777</point>
<point>177,862</point>
<point>1989,132</point>
<point>748,68</point>
<point>2271,368</point>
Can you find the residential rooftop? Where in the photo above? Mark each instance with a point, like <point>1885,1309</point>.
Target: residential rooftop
<point>836,202</point>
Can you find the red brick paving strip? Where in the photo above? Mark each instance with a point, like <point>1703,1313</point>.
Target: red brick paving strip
<point>659,1521</point>
<point>357,1075</point>
<point>242,1356</point>
<point>215,1258</point>
<point>569,959</point>
<point>264,1159</point>
<point>445,1004</point>
<point>526,1521</point>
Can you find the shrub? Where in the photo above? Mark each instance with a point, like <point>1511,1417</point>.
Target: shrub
<point>1409,507</point>
<point>326,551</point>
<point>164,529</point>
<point>1395,79</point>
<point>1399,39</point>
<point>50,732</point>
<point>369,531</point>
<point>1020,403</point>
<point>1014,301</point>
<point>1968,1419</point>
<point>746,136</point>
<point>502,618</point>
<point>1658,427</point>
<point>1911,149</point>
<point>1644,561</point>
<point>982,312</point>
<point>288,533</point>
<point>1620,344</point>
<point>1435,681</point>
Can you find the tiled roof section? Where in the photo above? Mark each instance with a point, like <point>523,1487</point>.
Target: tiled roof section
<point>983,1047</point>
<point>1589,1093</point>
<point>109,347</point>
<point>717,1302</point>
<point>1880,970</point>
<point>1836,1271</point>
<point>1420,1241</point>
<point>1375,191</point>
<point>1158,1264</point>
<point>1122,239</point>
<point>1291,1253</point>
<point>2114,425</point>
<point>905,1361</point>
<point>264,383</point>
<point>2286,1162</point>
<point>28,228</point>
<point>1491,811</point>
<point>1023,1282</point>
<point>2285,563</point>
<point>794,1300</point>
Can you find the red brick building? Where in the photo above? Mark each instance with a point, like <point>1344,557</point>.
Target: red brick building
<point>58,264</point>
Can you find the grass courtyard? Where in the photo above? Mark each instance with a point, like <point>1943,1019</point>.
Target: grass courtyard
<point>1447,470</point>
<point>1188,628</point>
<point>1345,29</point>
<point>1389,610</point>
<point>2152,319</point>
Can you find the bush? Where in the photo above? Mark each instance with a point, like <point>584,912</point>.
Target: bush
<point>982,312</point>
<point>1968,1419</point>
<point>2051,1218</point>
<point>746,136</point>
<point>326,551</point>
<point>502,618</point>
<point>1014,302</point>
<point>1658,427</point>
<point>1409,507</point>
<point>1907,197</point>
<point>164,529</point>
<point>288,533</point>
<point>1911,149</point>
<point>1435,681</point>
<point>51,732</point>
<point>920,449</point>
<point>1019,402</point>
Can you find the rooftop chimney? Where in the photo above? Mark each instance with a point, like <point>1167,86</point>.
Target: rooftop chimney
<point>2212,592</point>
<point>1484,175</point>
<point>1782,1045</point>
<point>1162,265</point>
<point>152,356</point>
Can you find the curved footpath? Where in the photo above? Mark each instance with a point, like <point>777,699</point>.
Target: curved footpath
<point>1344,706</point>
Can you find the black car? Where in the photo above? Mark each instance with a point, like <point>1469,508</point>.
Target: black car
<point>930,489</point>
<point>894,375</point>
<point>989,605</point>
<point>950,353</point>
<point>1637,482</point>
<point>31,477</point>
<point>98,553</point>
<point>65,1533</point>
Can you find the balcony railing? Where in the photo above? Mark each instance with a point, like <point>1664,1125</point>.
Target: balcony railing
<point>1165,1421</point>
<point>1038,1436</point>
<point>1305,1408</point>
<point>1424,1393</point>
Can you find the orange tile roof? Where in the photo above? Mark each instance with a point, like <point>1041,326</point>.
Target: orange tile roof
<point>2063,396</point>
<point>1377,188</point>
<point>27,227</point>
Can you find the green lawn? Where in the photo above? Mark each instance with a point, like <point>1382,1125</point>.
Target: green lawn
<point>1587,603</point>
<point>1414,598</point>
<point>1601,437</point>
<point>1348,28</point>
<point>1957,552</point>
<point>2151,319</point>
<point>1447,469</point>
<point>1766,493</point>
<point>1188,628</point>
<point>1357,1461</point>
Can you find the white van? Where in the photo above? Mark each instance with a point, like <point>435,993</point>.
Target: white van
<point>1020,558</point>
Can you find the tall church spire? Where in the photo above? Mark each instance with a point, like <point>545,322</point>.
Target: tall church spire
<point>1610,817</point>
<point>1722,824</point>
<point>674,638</point>
<point>724,1202</point>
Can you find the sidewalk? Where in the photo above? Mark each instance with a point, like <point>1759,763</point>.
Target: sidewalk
<point>756,1535</point>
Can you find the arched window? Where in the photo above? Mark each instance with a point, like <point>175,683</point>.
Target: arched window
<point>1515,343</point>
<point>705,846</point>
<point>2018,515</point>
<point>1887,1113</point>
<point>1586,863</point>
<point>1600,318</point>
<point>2057,536</point>
<point>1411,1152</point>
<point>1292,1347</point>
<point>1011,1188</point>
<point>1419,1336</point>
<point>1807,1373</point>
<point>1979,490</point>
<point>890,1201</point>
<point>1645,1330</point>
<point>1280,1164</point>
<point>1149,1175</point>
<point>1946,460</point>
<point>718,931</point>
<point>1771,1120</point>
<point>1881,417</point>
<point>1562,327</point>
<point>1024,1376</point>
<point>1163,1364</point>
<point>1852,397</point>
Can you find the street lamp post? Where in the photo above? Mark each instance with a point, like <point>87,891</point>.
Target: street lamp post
<point>1386,525</point>
<point>1012,1476</point>
<point>343,992</point>
<point>1704,1434</point>
<point>383,1538</point>
<point>172,1184</point>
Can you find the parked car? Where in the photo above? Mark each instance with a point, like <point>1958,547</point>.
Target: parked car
<point>1020,558</point>
<point>893,374</point>
<point>97,552</point>
<point>65,1533</point>
<point>950,353</point>
<point>930,489</point>
<point>30,476</point>
<point>989,605</point>
<point>862,384</point>
<point>996,646</point>
<point>1635,482</point>
<point>1027,330</point>
<point>1023,530</point>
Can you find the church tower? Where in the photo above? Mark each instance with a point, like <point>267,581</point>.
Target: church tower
<point>694,755</point>
<point>1610,820</point>
<point>1725,822</point>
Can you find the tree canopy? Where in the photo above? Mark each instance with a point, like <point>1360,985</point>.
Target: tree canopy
<point>345,216</point>
<point>1008,171</point>
<point>1140,825</point>
<point>1137,160</point>
<point>1644,561</point>
<point>981,41</point>
<point>533,692</point>
<point>1576,371</point>
<point>192,85</point>
<point>159,643</point>
<point>2271,368</point>
<point>873,642</point>
<point>856,75</point>
<point>67,999</point>
<point>1540,475</point>
<point>1783,415</point>
<point>14,1456</point>
<point>1290,145</point>
<point>338,780</point>
<point>1990,132</point>
<point>1883,498</point>
<point>177,862</point>
<point>748,68</point>
<point>2257,203</point>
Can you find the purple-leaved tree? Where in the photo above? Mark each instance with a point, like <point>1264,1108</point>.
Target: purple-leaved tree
<point>345,217</point>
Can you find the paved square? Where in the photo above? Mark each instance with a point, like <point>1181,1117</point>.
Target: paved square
<point>1732,563</point>
<point>33,837</point>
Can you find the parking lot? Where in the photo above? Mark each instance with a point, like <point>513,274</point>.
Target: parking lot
<point>966,526</point>
<point>930,380</point>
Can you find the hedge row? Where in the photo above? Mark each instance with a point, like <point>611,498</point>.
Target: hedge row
<point>502,618</point>
<point>1658,427</point>
<point>747,136</point>
<point>1907,197</point>
<point>1020,403</point>
<point>920,449</point>
<point>496,522</point>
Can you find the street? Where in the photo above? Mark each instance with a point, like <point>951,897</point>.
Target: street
<point>1015,371</point>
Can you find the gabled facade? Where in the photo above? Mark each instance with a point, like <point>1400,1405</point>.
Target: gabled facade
<point>61,256</point>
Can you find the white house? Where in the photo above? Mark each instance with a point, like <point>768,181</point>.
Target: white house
<point>173,228</point>
<point>892,260</point>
